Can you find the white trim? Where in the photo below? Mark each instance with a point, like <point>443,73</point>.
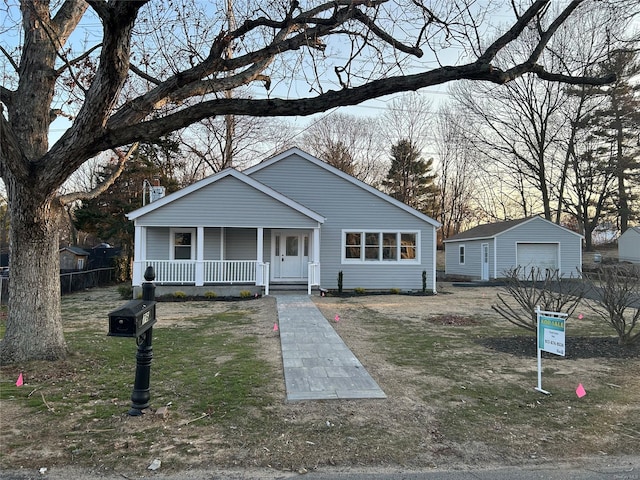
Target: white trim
<point>345,176</point>
<point>397,261</point>
<point>434,249</point>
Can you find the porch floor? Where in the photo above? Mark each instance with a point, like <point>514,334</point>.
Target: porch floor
<point>317,363</point>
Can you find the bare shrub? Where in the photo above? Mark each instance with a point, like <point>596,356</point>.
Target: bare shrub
<point>525,290</point>
<point>615,297</point>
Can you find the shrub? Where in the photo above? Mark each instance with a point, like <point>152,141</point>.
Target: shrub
<point>210,294</point>
<point>394,291</point>
<point>359,290</point>
<point>537,289</point>
<point>179,294</point>
<point>245,294</point>
<point>340,276</point>
<point>125,291</point>
<point>424,281</point>
<point>616,290</point>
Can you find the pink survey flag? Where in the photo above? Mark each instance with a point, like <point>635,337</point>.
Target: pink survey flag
<point>337,319</point>
<point>580,317</point>
<point>580,391</point>
<point>20,380</point>
<point>275,327</point>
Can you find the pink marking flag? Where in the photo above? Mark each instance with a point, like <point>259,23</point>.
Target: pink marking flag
<point>337,319</point>
<point>275,327</point>
<point>580,317</point>
<point>580,391</point>
<point>20,380</point>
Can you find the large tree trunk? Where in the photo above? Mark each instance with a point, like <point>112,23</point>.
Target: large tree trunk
<point>34,325</point>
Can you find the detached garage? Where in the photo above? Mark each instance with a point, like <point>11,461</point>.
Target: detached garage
<point>487,251</point>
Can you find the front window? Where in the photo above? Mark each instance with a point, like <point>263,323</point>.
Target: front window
<point>352,245</point>
<point>387,247</point>
<point>183,244</point>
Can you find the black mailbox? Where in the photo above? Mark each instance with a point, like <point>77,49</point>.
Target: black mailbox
<point>132,319</point>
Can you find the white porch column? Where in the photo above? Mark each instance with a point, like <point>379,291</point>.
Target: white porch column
<point>259,256</point>
<point>316,245</point>
<point>139,255</point>
<point>200,256</point>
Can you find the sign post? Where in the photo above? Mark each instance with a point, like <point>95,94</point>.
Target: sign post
<point>551,338</point>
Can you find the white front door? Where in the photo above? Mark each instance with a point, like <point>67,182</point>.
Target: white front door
<point>485,261</point>
<point>290,255</point>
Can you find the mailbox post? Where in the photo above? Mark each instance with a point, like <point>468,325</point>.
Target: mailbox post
<point>136,319</point>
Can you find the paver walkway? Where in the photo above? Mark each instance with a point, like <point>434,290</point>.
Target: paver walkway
<point>317,363</point>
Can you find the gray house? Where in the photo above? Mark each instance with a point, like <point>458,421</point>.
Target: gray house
<point>487,251</point>
<point>291,219</point>
<point>629,245</point>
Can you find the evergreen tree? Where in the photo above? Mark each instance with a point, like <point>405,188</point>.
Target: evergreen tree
<point>410,178</point>
<point>616,127</point>
<point>105,216</point>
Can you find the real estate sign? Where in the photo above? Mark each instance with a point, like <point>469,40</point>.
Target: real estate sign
<point>550,337</point>
<point>551,334</point>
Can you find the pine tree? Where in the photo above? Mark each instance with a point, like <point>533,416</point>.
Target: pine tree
<point>410,178</point>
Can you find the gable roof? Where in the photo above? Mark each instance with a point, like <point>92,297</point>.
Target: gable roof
<point>359,184</point>
<point>633,230</point>
<point>75,250</point>
<point>229,172</point>
<point>491,230</point>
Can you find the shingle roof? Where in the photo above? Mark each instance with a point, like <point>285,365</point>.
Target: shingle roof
<point>487,230</point>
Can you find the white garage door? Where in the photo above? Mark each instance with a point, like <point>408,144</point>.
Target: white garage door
<point>541,256</point>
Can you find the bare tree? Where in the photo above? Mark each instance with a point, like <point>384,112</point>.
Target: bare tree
<point>147,73</point>
<point>455,172</point>
<point>349,143</point>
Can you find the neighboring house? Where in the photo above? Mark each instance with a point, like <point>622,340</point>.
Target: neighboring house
<point>629,245</point>
<point>291,219</point>
<point>488,251</point>
<point>73,258</point>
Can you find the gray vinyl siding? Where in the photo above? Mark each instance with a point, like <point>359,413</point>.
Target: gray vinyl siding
<point>227,203</point>
<point>503,250</point>
<point>347,206</point>
<point>629,245</point>
<point>472,266</point>
<point>241,243</point>
<point>212,243</point>
<point>158,243</point>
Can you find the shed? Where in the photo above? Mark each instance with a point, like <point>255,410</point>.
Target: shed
<point>629,245</point>
<point>73,258</point>
<point>488,251</point>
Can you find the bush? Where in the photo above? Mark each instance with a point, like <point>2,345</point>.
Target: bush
<point>245,294</point>
<point>179,294</point>
<point>210,294</point>
<point>359,290</point>
<point>537,289</point>
<point>340,277</point>
<point>394,291</point>
<point>615,298</point>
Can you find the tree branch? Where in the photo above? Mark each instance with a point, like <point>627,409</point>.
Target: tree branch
<point>104,186</point>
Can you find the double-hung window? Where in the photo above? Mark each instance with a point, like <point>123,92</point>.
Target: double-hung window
<point>183,244</point>
<point>379,246</point>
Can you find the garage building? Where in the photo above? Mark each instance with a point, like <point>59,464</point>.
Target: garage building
<point>487,251</point>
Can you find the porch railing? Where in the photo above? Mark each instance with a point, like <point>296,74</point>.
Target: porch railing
<point>314,276</point>
<point>213,271</point>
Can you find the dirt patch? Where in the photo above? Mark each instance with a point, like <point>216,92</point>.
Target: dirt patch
<point>459,383</point>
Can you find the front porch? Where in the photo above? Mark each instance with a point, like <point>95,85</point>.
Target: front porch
<point>295,253</point>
